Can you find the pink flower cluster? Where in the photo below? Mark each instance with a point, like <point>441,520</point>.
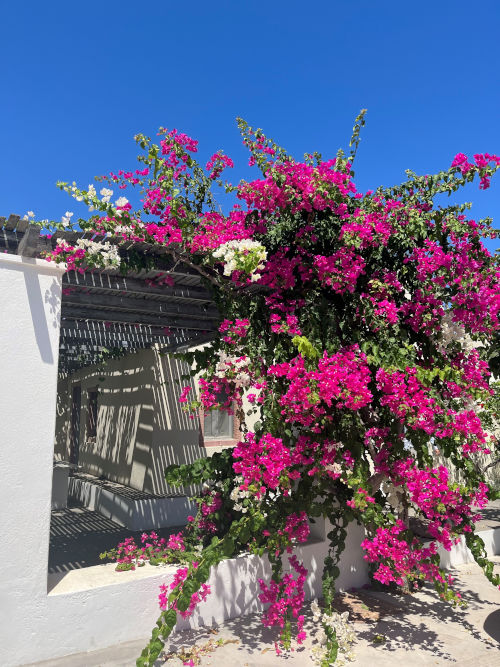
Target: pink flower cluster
<point>341,270</point>
<point>302,187</point>
<point>72,256</point>
<point>213,230</point>
<point>211,504</point>
<point>183,398</point>
<point>340,380</point>
<point>262,462</point>
<point>448,508</point>
<point>482,161</point>
<point>285,597</point>
<point>130,554</point>
<point>289,326</point>
<point>399,560</point>
<point>234,330</point>
<point>414,404</point>
<point>296,529</point>
<point>360,499</point>
<point>369,229</point>
<point>217,163</point>
<point>178,581</point>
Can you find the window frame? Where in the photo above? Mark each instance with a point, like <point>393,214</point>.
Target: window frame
<point>92,409</point>
<point>229,441</point>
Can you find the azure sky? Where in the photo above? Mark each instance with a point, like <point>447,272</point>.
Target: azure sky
<point>79,80</point>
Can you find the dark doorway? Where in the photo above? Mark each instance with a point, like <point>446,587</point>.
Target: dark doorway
<point>76,407</point>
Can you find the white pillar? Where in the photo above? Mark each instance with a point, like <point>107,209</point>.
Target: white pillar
<point>30,298</point>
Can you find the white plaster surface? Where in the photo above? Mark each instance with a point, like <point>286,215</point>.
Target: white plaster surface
<point>97,607</point>
<point>141,427</point>
<point>60,487</point>
<point>460,554</point>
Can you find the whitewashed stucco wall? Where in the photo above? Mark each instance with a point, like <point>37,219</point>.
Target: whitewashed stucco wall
<point>30,293</point>
<point>141,427</point>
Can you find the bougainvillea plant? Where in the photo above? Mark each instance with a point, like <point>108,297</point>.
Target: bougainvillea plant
<point>357,327</point>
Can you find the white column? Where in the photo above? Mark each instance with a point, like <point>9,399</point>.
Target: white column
<point>30,300</point>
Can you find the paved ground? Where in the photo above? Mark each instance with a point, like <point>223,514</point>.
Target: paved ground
<point>411,630</point>
<point>490,516</point>
<point>79,535</point>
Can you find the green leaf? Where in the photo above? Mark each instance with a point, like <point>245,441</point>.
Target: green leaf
<point>183,602</point>
<point>170,618</point>
<point>228,547</point>
<point>305,347</point>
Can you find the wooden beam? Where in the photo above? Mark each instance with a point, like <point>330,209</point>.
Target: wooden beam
<point>113,340</point>
<point>28,245</point>
<point>118,328</point>
<point>89,334</point>
<point>22,226</point>
<point>93,333</point>
<point>139,306</point>
<point>68,237</point>
<point>79,313</point>
<point>99,281</point>
<point>12,222</point>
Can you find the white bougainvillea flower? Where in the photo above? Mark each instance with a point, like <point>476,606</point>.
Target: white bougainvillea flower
<point>102,254</point>
<point>244,255</point>
<point>106,194</point>
<point>66,218</point>
<point>120,203</point>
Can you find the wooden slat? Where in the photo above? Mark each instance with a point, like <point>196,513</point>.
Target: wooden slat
<point>134,286</point>
<point>2,222</point>
<point>139,305</point>
<point>119,327</point>
<point>44,244</point>
<point>104,315</point>
<point>22,226</point>
<point>73,342</point>
<point>12,222</point>
<point>72,330</point>
<point>28,245</point>
<point>68,237</point>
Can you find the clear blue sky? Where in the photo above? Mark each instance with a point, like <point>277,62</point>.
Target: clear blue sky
<point>78,80</point>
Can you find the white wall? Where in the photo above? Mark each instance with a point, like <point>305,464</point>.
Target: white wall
<point>30,294</point>
<point>141,427</point>
<point>121,449</point>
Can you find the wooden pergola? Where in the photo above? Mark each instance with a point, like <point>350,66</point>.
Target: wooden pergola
<point>104,312</point>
